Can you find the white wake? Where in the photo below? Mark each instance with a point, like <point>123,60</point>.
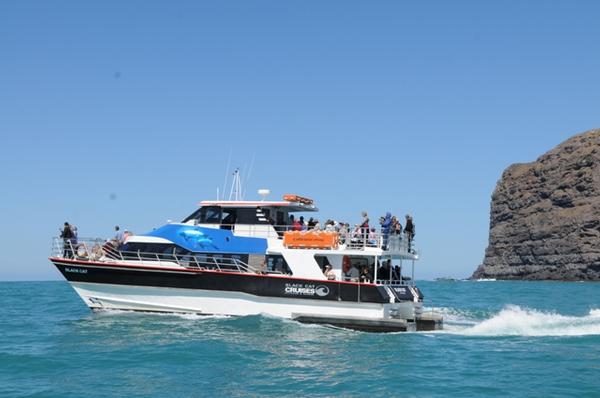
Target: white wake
<point>513,320</point>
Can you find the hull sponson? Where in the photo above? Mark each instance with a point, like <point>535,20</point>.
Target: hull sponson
<point>252,284</point>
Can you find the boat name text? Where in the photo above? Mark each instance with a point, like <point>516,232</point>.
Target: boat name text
<point>305,289</point>
<point>76,270</point>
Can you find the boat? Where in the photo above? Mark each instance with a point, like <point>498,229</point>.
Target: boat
<point>238,258</point>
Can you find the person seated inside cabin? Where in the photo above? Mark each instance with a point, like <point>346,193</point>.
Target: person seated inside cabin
<point>384,272</point>
<point>353,274</point>
<point>329,274</point>
<point>365,275</point>
<point>262,268</point>
<point>281,267</point>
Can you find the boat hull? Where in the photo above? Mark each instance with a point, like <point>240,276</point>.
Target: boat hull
<point>159,299</point>
<point>104,286</point>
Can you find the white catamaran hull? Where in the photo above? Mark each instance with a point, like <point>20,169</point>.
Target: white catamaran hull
<point>163,299</point>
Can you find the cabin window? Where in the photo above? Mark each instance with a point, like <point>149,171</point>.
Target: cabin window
<point>249,216</point>
<point>265,212</point>
<point>281,218</point>
<point>322,261</point>
<point>229,218</point>
<point>194,216</point>
<point>277,264</point>
<point>154,248</point>
<point>210,215</point>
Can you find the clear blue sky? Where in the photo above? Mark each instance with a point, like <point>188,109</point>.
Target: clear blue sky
<point>401,106</point>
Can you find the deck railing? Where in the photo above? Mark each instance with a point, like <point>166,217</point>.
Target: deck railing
<point>96,249</point>
<point>358,239</point>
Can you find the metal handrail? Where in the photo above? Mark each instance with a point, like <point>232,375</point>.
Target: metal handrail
<point>356,239</point>
<point>104,251</point>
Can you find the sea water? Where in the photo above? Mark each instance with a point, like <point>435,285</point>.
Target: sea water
<point>522,339</point>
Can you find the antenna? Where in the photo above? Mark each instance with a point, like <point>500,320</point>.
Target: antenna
<point>227,171</point>
<point>250,170</point>
<point>236,186</point>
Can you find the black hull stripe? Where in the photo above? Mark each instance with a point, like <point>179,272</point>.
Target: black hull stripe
<point>66,261</point>
<point>224,281</point>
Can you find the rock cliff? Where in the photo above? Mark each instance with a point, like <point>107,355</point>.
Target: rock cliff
<point>545,216</point>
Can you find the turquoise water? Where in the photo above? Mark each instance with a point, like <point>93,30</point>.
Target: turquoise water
<point>517,339</point>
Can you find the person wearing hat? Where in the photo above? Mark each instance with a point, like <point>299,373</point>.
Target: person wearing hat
<point>329,273</point>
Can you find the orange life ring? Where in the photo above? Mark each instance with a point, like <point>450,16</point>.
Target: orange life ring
<point>346,264</point>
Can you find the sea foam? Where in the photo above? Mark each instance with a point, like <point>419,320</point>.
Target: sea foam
<point>513,320</point>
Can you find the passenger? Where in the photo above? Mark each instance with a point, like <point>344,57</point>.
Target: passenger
<point>353,274</point>
<point>302,224</point>
<point>357,234</point>
<point>396,226</point>
<point>279,266</point>
<point>386,223</point>
<point>364,225</point>
<point>344,233</point>
<point>329,274</point>
<point>67,235</point>
<point>118,235</point>
<point>365,275</point>
<point>262,268</point>
<point>296,226</point>
<point>75,234</point>
<point>123,245</point>
<point>311,223</point>
<point>409,230</point>
<point>329,226</point>
<point>384,272</point>
<point>317,226</point>
<point>372,237</point>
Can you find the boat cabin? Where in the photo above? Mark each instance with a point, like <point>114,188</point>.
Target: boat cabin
<point>261,219</point>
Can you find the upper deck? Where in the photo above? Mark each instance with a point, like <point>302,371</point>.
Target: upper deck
<point>274,220</point>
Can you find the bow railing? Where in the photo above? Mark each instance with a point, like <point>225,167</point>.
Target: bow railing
<point>100,250</point>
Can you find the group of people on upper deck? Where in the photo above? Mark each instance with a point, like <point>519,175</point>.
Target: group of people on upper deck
<point>362,233</point>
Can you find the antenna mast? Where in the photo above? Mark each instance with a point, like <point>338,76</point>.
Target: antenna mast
<point>235,193</point>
